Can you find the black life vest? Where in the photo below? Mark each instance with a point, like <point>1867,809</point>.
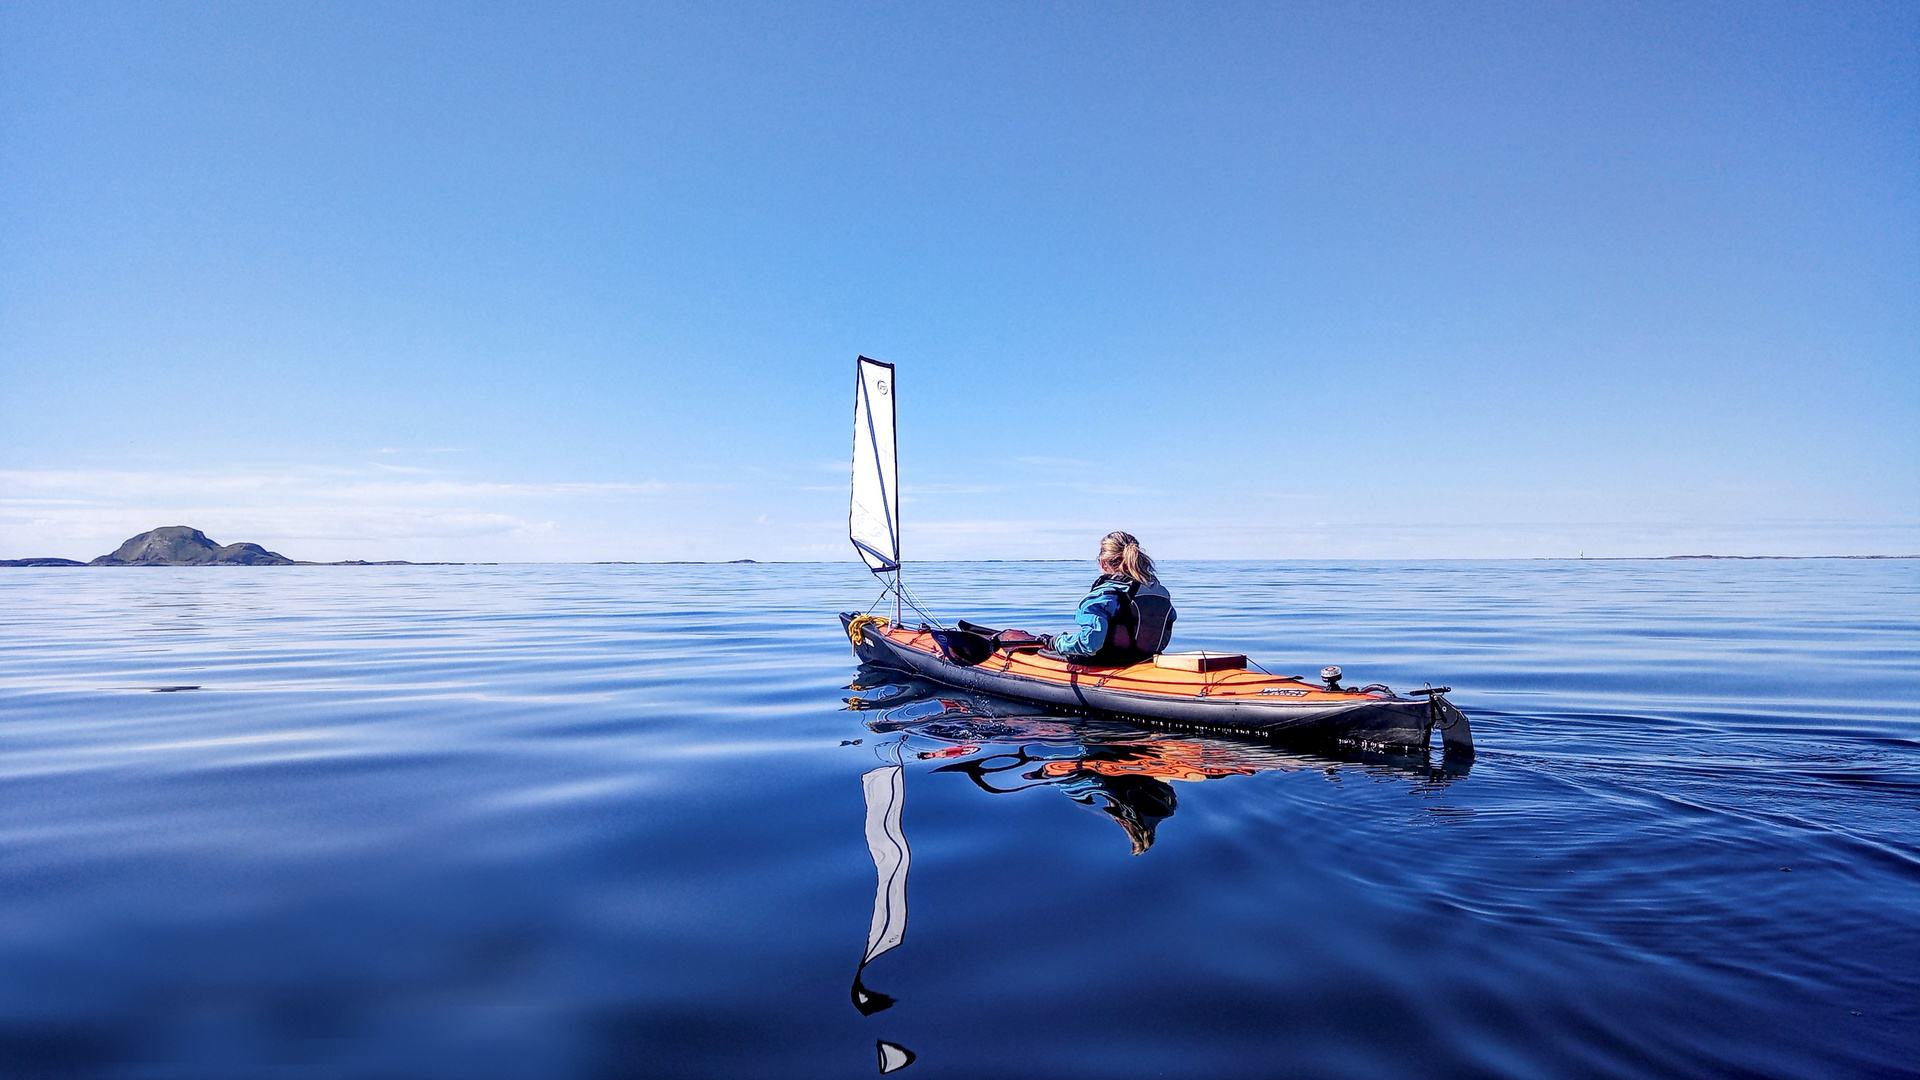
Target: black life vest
<point>1141,629</point>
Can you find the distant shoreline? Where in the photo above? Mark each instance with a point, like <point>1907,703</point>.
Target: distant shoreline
<point>75,563</point>
<point>183,545</point>
<point>69,563</point>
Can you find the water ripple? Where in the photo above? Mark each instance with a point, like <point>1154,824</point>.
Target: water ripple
<point>600,821</point>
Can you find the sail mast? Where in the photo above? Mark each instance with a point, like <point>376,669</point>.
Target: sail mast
<point>873,522</point>
<point>899,591</point>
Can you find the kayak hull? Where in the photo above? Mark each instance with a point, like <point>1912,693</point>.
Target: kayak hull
<point>1238,701</point>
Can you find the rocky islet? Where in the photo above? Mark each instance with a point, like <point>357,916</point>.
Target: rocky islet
<point>181,545</point>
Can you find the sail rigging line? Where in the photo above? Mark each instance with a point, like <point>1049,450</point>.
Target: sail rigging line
<point>914,602</point>
<point>900,592</point>
<point>895,751</point>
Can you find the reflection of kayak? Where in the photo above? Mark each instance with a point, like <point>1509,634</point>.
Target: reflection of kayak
<point>926,710</point>
<point>1185,761</point>
<point>1121,769</point>
<point>1232,700</point>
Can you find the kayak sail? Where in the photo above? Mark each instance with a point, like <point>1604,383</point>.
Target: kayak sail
<point>874,523</point>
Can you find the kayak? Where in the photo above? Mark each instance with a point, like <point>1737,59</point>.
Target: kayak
<point>1223,695</point>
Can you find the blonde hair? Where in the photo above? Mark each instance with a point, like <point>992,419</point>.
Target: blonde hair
<point>1124,551</point>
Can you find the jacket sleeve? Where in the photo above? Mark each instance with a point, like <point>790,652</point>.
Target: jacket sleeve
<point>1089,633</point>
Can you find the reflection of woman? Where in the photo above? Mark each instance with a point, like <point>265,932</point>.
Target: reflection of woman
<point>1138,803</point>
<point>1127,615</point>
<point>1127,783</point>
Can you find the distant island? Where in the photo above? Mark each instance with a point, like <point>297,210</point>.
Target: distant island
<point>180,545</point>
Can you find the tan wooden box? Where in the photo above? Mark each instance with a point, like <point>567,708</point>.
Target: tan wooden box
<point>1201,661</point>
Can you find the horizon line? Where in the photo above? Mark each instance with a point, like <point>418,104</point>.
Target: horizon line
<point>73,564</point>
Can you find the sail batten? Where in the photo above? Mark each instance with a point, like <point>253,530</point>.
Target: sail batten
<point>873,523</point>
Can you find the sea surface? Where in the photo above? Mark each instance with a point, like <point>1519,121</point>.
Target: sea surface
<point>605,821</point>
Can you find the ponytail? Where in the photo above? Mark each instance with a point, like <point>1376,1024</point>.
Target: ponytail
<point>1120,547</point>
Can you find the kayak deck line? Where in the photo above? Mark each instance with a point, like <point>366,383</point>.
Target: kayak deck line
<point>1146,677</point>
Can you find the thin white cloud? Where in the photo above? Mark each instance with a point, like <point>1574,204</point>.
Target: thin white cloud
<point>1055,462</point>
<point>366,512</point>
<point>949,489</point>
<point>374,511</point>
<point>329,484</point>
<point>1099,489</point>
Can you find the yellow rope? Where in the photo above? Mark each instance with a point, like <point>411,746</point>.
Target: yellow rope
<point>861,622</point>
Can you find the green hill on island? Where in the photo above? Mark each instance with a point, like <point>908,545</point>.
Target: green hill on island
<point>178,545</point>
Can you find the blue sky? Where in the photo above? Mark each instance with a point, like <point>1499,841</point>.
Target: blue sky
<point>564,282</point>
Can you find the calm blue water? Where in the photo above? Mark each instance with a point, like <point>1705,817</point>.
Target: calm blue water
<point>599,821</point>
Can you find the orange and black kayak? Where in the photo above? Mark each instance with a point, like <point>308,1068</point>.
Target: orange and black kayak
<point>1222,695</point>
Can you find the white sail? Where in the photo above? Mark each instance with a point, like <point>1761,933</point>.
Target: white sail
<point>874,524</point>
<point>885,790</point>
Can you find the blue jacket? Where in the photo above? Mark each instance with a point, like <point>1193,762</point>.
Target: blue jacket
<point>1096,614</point>
<point>1089,633</point>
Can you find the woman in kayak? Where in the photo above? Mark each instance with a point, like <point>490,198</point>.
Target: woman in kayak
<point>1127,615</point>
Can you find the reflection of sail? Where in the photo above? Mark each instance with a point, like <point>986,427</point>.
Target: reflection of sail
<point>893,1056</point>
<point>884,790</point>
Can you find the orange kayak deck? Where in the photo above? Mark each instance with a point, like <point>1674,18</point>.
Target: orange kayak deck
<point>1144,678</point>
<point>1235,700</point>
